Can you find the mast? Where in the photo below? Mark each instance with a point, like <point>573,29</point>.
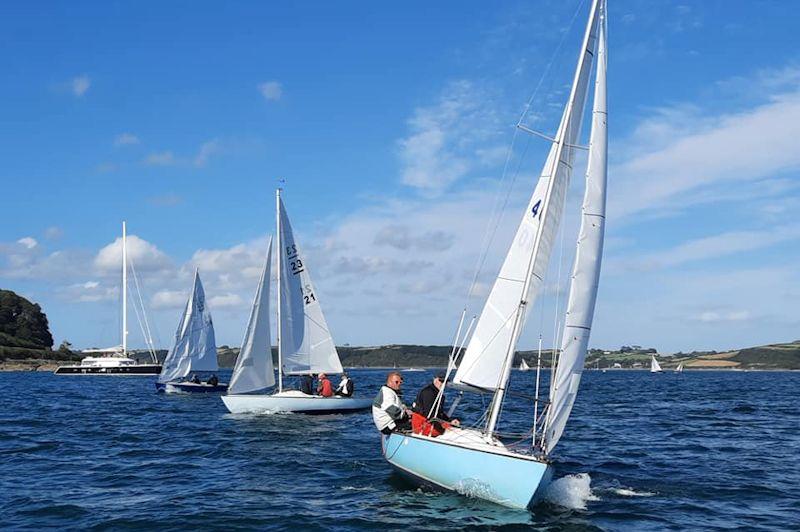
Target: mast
<point>278,306</point>
<point>564,130</point>
<point>124,291</point>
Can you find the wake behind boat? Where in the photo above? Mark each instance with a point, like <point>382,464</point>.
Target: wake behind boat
<point>474,461</point>
<point>195,350</point>
<point>115,360</point>
<point>305,345</point>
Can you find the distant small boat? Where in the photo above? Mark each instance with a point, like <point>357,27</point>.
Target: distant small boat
<point>655,367</point>
<point>679,369</point>
<point>305,345</point>
<point>195,349</point>
<point>115,360</point>
<point>523,366</point>
<point>407,370</point>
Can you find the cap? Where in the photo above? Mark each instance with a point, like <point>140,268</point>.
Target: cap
<point>441,376</point>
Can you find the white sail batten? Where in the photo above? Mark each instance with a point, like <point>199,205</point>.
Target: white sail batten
<point>195,348</point>
<point>487,361</point>
<point>254,370</point>
<point>306,344</point>
<point>586,269</point>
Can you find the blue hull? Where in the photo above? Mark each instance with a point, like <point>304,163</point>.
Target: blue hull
<point>189,387</point>
<point>509,479</point>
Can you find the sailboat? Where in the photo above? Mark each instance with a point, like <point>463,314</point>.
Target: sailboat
<point>116,360</point>
<point>523,366</point>
<point>679,369</point>
<point>305,345</point>
<point>194,351</point>
<point>655,367</point>
<point>475,461</point>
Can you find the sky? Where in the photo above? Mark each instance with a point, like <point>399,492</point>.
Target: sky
<point>390,126</point>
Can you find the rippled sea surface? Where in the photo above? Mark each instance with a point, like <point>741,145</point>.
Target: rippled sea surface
<point>701,450</point>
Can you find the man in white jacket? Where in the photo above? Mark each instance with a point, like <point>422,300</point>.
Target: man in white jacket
<point>388,411</point>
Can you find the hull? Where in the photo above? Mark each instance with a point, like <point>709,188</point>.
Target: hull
<point>190,387</point>
<point>295,402</point>
<point>137,370</point>
<point>462,461</point>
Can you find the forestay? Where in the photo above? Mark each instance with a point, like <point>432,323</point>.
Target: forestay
<point>253,370</point>
<point>486,363</point>
<point>195,348</point>
<point>586,269</point>
<point>305,341</point>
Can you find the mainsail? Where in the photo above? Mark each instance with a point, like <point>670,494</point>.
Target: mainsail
<point>586,269</point>
<point>306,345</point>
<point>487,361</point>
<point>195,348</point>
<point>253,370</point>
<point>655,367</point>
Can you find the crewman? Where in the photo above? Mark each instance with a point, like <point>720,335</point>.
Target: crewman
<point>426,420</point>
<point>345,388</point>
<point>388,411</point>
<point>324,386</point>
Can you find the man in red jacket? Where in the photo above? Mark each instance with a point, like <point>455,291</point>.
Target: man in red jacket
<point>324,386</point>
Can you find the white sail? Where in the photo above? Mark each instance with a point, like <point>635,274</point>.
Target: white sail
<point>523,366</point>
<point>655,367</point>
<point>306,344</point>
<point>586,269</point>
<point>486,362</point>
<point>679,369</point>
<point>195,348</point>
<point>254,370</point>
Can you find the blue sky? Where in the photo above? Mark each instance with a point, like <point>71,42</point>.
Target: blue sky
<point>390,125</point>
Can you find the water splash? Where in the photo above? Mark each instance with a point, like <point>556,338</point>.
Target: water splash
<point>571,491</point>
<point>628,492</point>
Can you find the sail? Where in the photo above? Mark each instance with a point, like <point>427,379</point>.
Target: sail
<point>586,268</point>
<point>253,370</point>
<point>679,368</point>
<point>305,342</point>
<point>655,367</point>
<point>486,362</point>
<point>195,348</point>
<point>524,365</point>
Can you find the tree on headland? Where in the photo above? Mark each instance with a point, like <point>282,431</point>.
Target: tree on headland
<point>23,320</point>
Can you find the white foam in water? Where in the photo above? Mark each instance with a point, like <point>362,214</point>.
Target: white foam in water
<point>627,492</point>
<point>571,491</point>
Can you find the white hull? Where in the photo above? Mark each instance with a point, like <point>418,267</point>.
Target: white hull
<point>293,401</point>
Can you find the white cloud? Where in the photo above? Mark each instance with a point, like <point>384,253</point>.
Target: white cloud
<point>144,255</point>
<point>168,299</point>
<point>711,316</point>
<point>79,85</point>
<point>208,149</point>
<point>163,158</point>
<point>228,300</point>
<point>271,90</point>
<point>53,232</point>
<point>126,139</point>
<point>448,139</point>
<point>28,242</point>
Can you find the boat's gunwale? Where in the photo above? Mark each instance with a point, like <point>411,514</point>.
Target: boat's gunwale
<point>501,451</point>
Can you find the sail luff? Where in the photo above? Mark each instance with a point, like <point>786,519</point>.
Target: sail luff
<point>586,268</point>
<point>253,370</point>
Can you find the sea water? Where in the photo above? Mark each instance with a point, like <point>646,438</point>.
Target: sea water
<point>698,450</point>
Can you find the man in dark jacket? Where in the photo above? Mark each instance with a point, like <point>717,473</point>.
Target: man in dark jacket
<point>423,405</point>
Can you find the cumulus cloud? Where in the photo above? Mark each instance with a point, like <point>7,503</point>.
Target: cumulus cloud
<point>163,158</point>
<point>28,242</point>
<point>271,90</point>
<point>168,299</point>
<point>145,256</point>
<point>224,301</point>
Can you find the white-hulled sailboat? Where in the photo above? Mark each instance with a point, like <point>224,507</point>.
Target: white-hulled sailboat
<point>116,360</point>
<point>194,354</point>
<point>305,345</point>
<point>679,369</point>
<point>474,461</point>
<point>523,366</point>
<point>655,367</point>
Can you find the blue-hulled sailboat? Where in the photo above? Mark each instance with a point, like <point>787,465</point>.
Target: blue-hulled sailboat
<point>474,461</point>
<point>191,365</point>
